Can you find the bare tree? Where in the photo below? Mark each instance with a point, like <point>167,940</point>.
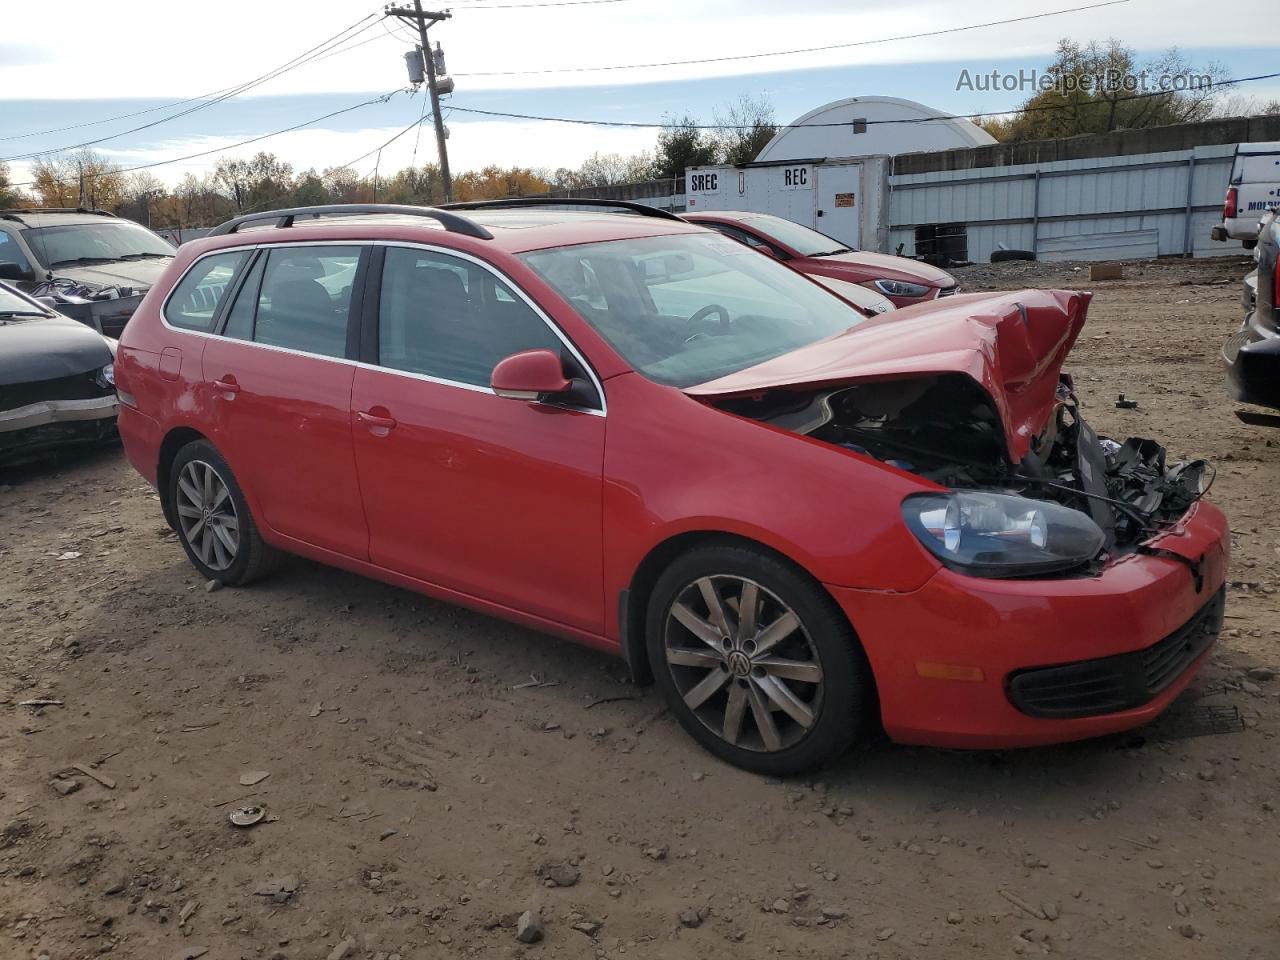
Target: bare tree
<point>744,128</point>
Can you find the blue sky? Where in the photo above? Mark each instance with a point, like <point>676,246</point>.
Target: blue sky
<point>924,70</point>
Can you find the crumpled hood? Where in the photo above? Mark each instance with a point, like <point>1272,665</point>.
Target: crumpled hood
<point>1012,344</point>
<point>886,267</point>
<point>139,274</point>
<point>48,348</point>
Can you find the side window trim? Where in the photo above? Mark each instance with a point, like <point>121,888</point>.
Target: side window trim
<point>369,352</point>
<point>238,281</point>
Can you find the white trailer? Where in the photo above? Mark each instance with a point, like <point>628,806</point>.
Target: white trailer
<point>844,198</point>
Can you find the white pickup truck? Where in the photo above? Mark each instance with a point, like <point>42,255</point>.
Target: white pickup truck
<point>1254,189</point>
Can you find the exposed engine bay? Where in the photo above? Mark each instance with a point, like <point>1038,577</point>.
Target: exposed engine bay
<point>945,428</point>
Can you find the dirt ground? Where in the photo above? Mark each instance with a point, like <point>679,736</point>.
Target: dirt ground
<point>433,773</point>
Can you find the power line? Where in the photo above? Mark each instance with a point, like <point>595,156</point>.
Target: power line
<point>780,53</point>
<point>845,123</point>
<point>385,143</point>
<point>302,58</point>
<point>231,146</point>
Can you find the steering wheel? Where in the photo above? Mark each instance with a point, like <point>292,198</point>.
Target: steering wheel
<point>701,315</point>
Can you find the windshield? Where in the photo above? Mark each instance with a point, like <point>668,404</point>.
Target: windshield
<point>95,243</point>
<point>14,306</point>
<point>805,242</point>
<point>689,308</point>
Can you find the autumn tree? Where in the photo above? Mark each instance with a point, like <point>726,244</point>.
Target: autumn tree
<point>494,182</point>
<point>10,196</point>
<point>1097,87</point>
<point>345,186</point>
<point>682,143</point>
<point>80,179</point>
<point>422,186</point>
<point>744,128</point>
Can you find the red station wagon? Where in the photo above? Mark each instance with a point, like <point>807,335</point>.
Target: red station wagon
<point>612,425</point>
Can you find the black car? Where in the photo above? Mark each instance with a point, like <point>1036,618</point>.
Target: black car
<point>57,382</point>
<point>97,266</point>
<point>1252,355</point>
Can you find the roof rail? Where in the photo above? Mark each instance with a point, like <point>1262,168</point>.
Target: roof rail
<point>8,211</point>
<point>284,218</point>
<point>630,205</point>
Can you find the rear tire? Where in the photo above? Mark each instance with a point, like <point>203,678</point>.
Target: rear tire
<point>786,691</point>
<point>213,519</point>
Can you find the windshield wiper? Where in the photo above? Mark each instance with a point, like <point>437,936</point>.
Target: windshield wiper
<point>144,256</point>
<point>63,263</point>
<point>10,314</point>
<point>831,253</point>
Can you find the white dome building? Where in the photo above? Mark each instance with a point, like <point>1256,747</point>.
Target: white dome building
<point>858,129</point>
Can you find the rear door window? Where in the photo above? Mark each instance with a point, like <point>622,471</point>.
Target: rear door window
<point>194,303</point>
<point>298,298</point>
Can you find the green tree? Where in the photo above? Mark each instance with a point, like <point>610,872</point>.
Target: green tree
<point>309,190</point>
<point>1093,92</point>
<point>258,183</point>
<point>681,144</point>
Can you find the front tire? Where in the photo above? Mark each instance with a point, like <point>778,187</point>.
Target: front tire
<point>213,519</point>
<point>755,660</point>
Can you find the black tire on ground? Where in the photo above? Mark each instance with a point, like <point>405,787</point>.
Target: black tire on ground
<point>1250,243</point>
<point>843,698</point>
<point>1000,256</point>
<point>253,558</point>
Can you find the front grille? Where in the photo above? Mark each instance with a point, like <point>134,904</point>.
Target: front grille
<point>80,386</point>
<point>948,291</point>
<point>1121,682</point>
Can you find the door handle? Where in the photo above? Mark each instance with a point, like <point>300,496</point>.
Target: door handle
<point>227,384</point>
<point>374,421</point>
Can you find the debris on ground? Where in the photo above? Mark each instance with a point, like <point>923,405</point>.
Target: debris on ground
<point>92,774</point>
<point>529,927</point>
<point>65,786</point>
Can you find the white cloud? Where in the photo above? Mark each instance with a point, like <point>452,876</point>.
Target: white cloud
<point>153,52</point>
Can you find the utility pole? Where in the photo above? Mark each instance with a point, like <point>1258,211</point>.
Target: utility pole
<point>423,19</point>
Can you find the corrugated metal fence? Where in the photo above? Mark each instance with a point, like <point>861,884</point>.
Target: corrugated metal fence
<point>1092,208</point>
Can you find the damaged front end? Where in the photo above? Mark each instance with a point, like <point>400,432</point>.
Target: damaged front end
<point>1029,488</point>
<point>945,429</point>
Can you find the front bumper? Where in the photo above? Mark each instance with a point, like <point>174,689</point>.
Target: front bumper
<point>42,426</point>
<point>58,411</point>
<point>946,656</point>
<point>1252,358</point>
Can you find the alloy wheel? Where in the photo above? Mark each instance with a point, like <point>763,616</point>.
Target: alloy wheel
<point>743,663</point>
<point>207,515</point>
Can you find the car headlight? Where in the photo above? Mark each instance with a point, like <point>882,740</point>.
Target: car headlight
<point>107,376</point>
<point>901,288</point>
<point>1002,535</point>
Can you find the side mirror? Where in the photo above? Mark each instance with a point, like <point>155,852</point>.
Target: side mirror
<point>12,271</point>
<point>529,375</point>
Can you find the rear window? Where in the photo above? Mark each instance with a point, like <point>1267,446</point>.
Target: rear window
<point>298,298</point>
<point>195,300</point>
